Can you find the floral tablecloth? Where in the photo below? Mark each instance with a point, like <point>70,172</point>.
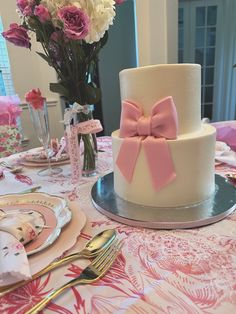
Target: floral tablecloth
<point>158,271</point>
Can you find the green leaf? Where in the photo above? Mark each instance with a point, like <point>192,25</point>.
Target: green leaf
<point>92,94</point>
<point>59,88</point>
<point>80,53</point>
<point>46,58</point>
<point>104,39</point>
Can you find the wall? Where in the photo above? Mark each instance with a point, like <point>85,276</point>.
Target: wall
<point>119,53</point>
<point>144,33</point>
<point>157,31</point>
<point>30,71</point>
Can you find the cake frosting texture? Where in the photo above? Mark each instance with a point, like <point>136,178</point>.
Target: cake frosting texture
<point>192,151</point>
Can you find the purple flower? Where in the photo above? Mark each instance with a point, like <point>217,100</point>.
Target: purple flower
<point>57,36</point>
<point>42,13</point>
<point>54,48</point>
<point>25,6</point>
<point>76,22</point>
<point>17,35</point>
<point>119,1</point>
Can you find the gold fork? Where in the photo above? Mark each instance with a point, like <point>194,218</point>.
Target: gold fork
<point>90,274</point>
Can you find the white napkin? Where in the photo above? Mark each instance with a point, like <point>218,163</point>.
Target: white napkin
<point>14,265</point>
<point>16,230</point>
<point>223,153</point>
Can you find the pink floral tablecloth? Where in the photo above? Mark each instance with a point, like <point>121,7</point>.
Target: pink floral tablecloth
<point>158,271</point>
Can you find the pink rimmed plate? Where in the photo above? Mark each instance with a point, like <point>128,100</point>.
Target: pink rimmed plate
<point>37,158</point>
<point>53,209</point>
<point>43,164</point>
<point>67,239</point>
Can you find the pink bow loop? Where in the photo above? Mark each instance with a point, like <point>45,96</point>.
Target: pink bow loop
<point>151,132</point>
<point>90,126</point>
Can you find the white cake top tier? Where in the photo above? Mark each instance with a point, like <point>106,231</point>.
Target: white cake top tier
<point>147,85</point>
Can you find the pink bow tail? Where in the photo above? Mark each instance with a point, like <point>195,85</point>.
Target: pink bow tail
<point>159,161</point>
<point>127,156</point>
<point>158,156</point>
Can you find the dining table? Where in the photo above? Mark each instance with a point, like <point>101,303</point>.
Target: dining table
<point>180,271</point>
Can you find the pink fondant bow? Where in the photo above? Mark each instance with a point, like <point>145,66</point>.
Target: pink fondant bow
<point>152,133</point>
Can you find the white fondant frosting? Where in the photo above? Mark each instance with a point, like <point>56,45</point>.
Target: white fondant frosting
<point>147,85</point>
<point>193,150</point>
<point>193,157</point>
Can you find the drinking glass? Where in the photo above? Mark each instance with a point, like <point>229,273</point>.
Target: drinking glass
<point>39,118</point>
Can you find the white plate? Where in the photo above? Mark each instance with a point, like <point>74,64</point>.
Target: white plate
<point>66,241</point>
<point>36,158</point>
<point>54,210</point>
<point>43,164</point>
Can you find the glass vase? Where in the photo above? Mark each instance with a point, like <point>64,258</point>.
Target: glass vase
<point>88,144</point>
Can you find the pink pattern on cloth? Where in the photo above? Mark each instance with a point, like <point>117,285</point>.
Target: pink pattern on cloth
<point>24,179</point>
<point>150,132</point>
<point>158,271</point>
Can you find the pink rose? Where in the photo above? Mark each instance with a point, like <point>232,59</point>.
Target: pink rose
<point>57,36</point>
<point>35,99</point>
<point>25,6</point>
<point>119,1</point>
<point>42,13</point>
<point>17,35</point>
<point>76,22</point>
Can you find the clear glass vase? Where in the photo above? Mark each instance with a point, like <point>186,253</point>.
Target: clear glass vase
<point>88,144</point>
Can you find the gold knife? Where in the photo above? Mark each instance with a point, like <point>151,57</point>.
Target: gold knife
<point>31,190</point>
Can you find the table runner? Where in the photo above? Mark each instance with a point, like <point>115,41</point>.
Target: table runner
<point>158,271</point>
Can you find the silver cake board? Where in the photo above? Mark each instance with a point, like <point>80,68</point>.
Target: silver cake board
<point>222,204</point>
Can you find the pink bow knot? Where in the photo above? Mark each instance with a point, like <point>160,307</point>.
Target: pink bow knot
<point>151,132</point>
<point>144,126</point>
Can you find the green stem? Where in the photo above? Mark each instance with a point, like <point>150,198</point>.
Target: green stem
<point>90,146</point>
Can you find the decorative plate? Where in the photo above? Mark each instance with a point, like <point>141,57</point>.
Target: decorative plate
<point>54,210</point>
<point>43,164</point>
<point>65,241</point>
<point>39,158</point>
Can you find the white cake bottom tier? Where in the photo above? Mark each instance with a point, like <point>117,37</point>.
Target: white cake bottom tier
<point>193,157</point>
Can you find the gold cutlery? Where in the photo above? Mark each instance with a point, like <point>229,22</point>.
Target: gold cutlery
<point>12,169</point>
<point>93,247</point>
<point>31,190</point>
<point>90,274</point>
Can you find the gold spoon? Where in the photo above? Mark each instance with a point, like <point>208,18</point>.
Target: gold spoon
<point>12,169</point>
<point>93,247</point>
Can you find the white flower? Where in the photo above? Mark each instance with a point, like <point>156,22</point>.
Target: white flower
<point>101,14</point>
<point>54,5</point>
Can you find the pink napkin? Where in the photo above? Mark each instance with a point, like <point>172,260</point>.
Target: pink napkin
<point>9,110</point>
<point>226,132</point>
<point>223,153</point>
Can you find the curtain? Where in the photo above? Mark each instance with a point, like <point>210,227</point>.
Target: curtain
<point>225,75</point>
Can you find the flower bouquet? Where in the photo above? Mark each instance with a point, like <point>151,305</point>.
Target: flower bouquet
<point>71,33</point>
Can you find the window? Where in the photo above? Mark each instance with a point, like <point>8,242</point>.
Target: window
<point>6,83</point>
<point>197,43</point>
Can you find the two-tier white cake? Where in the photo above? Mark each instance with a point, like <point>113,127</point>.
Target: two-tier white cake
<point>191,152</point>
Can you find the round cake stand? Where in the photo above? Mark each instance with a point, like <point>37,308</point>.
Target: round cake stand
<point>218,207</point>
